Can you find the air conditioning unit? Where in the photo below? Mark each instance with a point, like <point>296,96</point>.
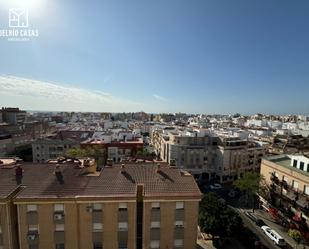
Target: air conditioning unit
<point>31,237</point>
<point>58,216</point>
<point>89,209</point>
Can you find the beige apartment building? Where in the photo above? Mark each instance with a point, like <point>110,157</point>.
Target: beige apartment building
<point>130,206</point>
<point>288,178</point>
<point>208,156</point>
<point>8,217</point>
<point>190,150</point>
<point>235,156</point>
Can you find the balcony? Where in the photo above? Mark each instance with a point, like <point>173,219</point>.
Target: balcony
<point>274,179</point>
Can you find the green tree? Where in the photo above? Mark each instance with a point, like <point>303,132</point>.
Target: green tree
<point>217,219</point>
<point>96,153</point>
<point>251,184</point>
<point>74,152</point>
<point>295,235</point>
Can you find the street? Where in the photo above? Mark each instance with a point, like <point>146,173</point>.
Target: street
<point>257,230</point>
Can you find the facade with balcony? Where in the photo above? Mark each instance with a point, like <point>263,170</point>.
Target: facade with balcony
<point>288,179</point>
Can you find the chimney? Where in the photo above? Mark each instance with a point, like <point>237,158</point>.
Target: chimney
<point>109,162</point>
<point>122,169</point>
<point>172,162</point>
<point>90,165</point>
<point>158,168</point>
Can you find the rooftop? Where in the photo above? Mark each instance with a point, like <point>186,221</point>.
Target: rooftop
<point>285,161</point>
<point>117,181</point>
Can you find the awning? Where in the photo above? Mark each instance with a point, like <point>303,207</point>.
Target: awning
<point>291,195</point>
<point>302,202</point>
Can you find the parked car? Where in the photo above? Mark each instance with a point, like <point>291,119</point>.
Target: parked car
<point>215,186</point>
<point>273,235</point>
<point>256,220</point>
<point>260,223</point>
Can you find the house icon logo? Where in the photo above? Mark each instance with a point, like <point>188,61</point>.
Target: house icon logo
<point>18,18</point>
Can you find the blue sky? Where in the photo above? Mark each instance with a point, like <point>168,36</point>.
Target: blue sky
<point>196,56</point>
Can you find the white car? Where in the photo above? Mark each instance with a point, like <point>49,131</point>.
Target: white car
<point>216,186</point>
<point>273,235</point>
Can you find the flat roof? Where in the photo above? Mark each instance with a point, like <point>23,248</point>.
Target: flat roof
<point>285,161</point>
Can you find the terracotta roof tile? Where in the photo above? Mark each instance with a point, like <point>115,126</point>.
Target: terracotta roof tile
<point>40,182</point>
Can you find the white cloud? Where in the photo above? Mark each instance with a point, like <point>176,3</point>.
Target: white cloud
<point>41,95</point>
<point>158,97</point>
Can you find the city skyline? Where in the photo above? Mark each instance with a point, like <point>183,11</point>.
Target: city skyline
<point>202,57</point>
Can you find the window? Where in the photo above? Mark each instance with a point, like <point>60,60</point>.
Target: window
<point>60,246</point>
<point>97,207</point>
<point>178,223</point>
<point>154,244</point>
<point>308,167</point>
<point>97,227</point>
<point>179,205</point>
<point>301,165</point>
<point>306,190</point>
<point>33,228</point>
<point>123,206</point>
<point>294,163</point>
<point>97,245</point>
<point>295,184</point>
<point>59,227</point>
<point>155,205</point>
<point>285,179</point>
<point>155,224</point>
<point>122,245</point>
<point>31,208</point>
<point>178,242</point>
<point>123,226</point>
<point>59,207</point>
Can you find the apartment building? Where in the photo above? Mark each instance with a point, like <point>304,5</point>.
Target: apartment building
<point>115,149</point>
<point>187,149</point>
<point>288,178</point>
<point>8,215</point>
<point>234,156</point>
<point>44,149</point>
<point>13,116</point>
<point>122,206</point>
<point>208,155</point>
